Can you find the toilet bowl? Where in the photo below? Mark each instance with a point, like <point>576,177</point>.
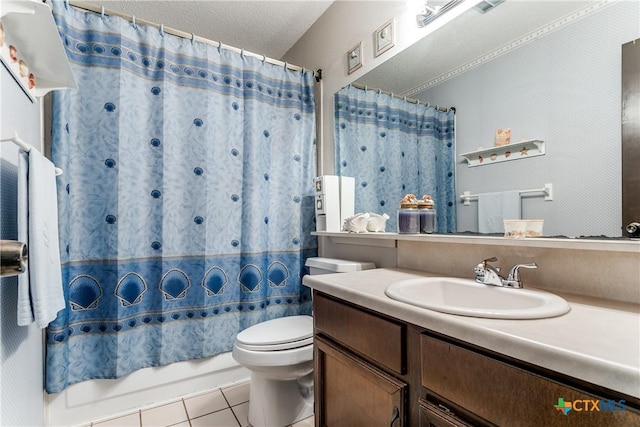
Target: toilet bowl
<point>279,354</point>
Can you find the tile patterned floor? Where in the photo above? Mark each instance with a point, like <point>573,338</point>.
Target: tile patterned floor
<point>225,407</point>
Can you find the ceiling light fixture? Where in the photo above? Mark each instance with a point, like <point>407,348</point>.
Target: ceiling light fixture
<point>433,9</point>
<point>486,5</point>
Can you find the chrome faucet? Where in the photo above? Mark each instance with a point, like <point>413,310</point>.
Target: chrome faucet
<point>490,275</point>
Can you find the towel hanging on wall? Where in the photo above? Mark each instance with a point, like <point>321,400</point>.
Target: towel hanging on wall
<point>40,293</point>
<point>495,207</point>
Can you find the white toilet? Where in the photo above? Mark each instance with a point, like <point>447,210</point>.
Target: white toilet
<point>279,354</point>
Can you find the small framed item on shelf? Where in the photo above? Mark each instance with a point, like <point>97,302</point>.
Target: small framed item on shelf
<point>503,137</point>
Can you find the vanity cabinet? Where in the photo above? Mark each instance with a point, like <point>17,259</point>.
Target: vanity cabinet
<point>375,370</point>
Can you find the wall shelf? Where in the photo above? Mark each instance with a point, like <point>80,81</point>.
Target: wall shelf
<point>29,26</point>
<point>513,151</point>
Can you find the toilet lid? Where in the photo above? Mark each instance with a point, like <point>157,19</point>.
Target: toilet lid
<point>277,334</point>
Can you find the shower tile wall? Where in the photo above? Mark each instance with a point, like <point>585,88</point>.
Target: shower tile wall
<point>21,394</point>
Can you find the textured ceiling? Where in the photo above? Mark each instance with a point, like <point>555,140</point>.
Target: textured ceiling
<point>264,27</point>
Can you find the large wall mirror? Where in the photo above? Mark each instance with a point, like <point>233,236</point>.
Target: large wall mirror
<point>549,71</point>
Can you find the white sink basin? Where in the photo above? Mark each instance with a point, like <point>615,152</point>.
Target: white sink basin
<point>466,297</point>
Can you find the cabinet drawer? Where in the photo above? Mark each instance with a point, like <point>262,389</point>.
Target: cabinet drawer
<point>377,338</point>
<point>508,395</point>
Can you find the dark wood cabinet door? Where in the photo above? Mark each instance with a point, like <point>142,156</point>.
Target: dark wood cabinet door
<point>351,392</point>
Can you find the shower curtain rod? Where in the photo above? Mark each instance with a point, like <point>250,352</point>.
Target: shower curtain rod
<point>100,9</point>
<point>412,100</point>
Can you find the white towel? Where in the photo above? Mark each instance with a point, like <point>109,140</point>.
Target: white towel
<point>40,292</point>
<point>495,207</point>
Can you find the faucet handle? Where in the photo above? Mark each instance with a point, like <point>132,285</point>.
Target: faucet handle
<point>514,275</point>
<point>485,261</point>
<point>482,267</point>
<point>485,264</point>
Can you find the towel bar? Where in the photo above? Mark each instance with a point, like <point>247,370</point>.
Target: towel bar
<point>11,136</point>
<point>547,190</point>
<point>14,258</point>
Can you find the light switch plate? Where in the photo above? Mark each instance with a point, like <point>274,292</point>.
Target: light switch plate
<point>354,58</point>
<point>383,38</point>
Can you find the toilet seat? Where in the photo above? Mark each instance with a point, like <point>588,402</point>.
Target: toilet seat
<point>284,333</point>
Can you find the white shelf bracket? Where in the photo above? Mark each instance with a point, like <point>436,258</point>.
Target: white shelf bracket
<point>466,196</point>
<point>548,192</point>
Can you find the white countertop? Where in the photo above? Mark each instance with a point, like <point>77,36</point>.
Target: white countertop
<point>597,341</point>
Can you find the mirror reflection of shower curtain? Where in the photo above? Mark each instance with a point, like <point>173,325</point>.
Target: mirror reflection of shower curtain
<point>187,202</point>
<point>393,147</point>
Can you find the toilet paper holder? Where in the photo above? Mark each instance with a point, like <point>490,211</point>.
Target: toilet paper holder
<point>14,258</point>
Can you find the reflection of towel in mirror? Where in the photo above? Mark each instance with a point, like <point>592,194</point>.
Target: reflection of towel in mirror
<point>40,293</point>
<point>495,207</point>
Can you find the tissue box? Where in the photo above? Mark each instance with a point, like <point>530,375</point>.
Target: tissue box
<point>519,228</point>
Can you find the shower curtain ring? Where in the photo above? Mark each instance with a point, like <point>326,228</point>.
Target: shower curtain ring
<point>193,38</point>
<point>286,65</point>
<point>66,4</point>
<point>102,11</point>
<point>219,47</point>
<point>366,88</point>
<point>379,91</point>
<point>133,22</point>
<point>242,53</point>
<point>264,58</point>
<point>162,30</point>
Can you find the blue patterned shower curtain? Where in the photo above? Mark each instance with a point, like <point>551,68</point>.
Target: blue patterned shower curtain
<point>393,147</point>
<point>186,205</point>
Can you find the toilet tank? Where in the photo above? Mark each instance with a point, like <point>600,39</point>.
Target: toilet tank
<point>319,265</point>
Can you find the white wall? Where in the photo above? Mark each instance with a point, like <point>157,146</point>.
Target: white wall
<point>21,399</point>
